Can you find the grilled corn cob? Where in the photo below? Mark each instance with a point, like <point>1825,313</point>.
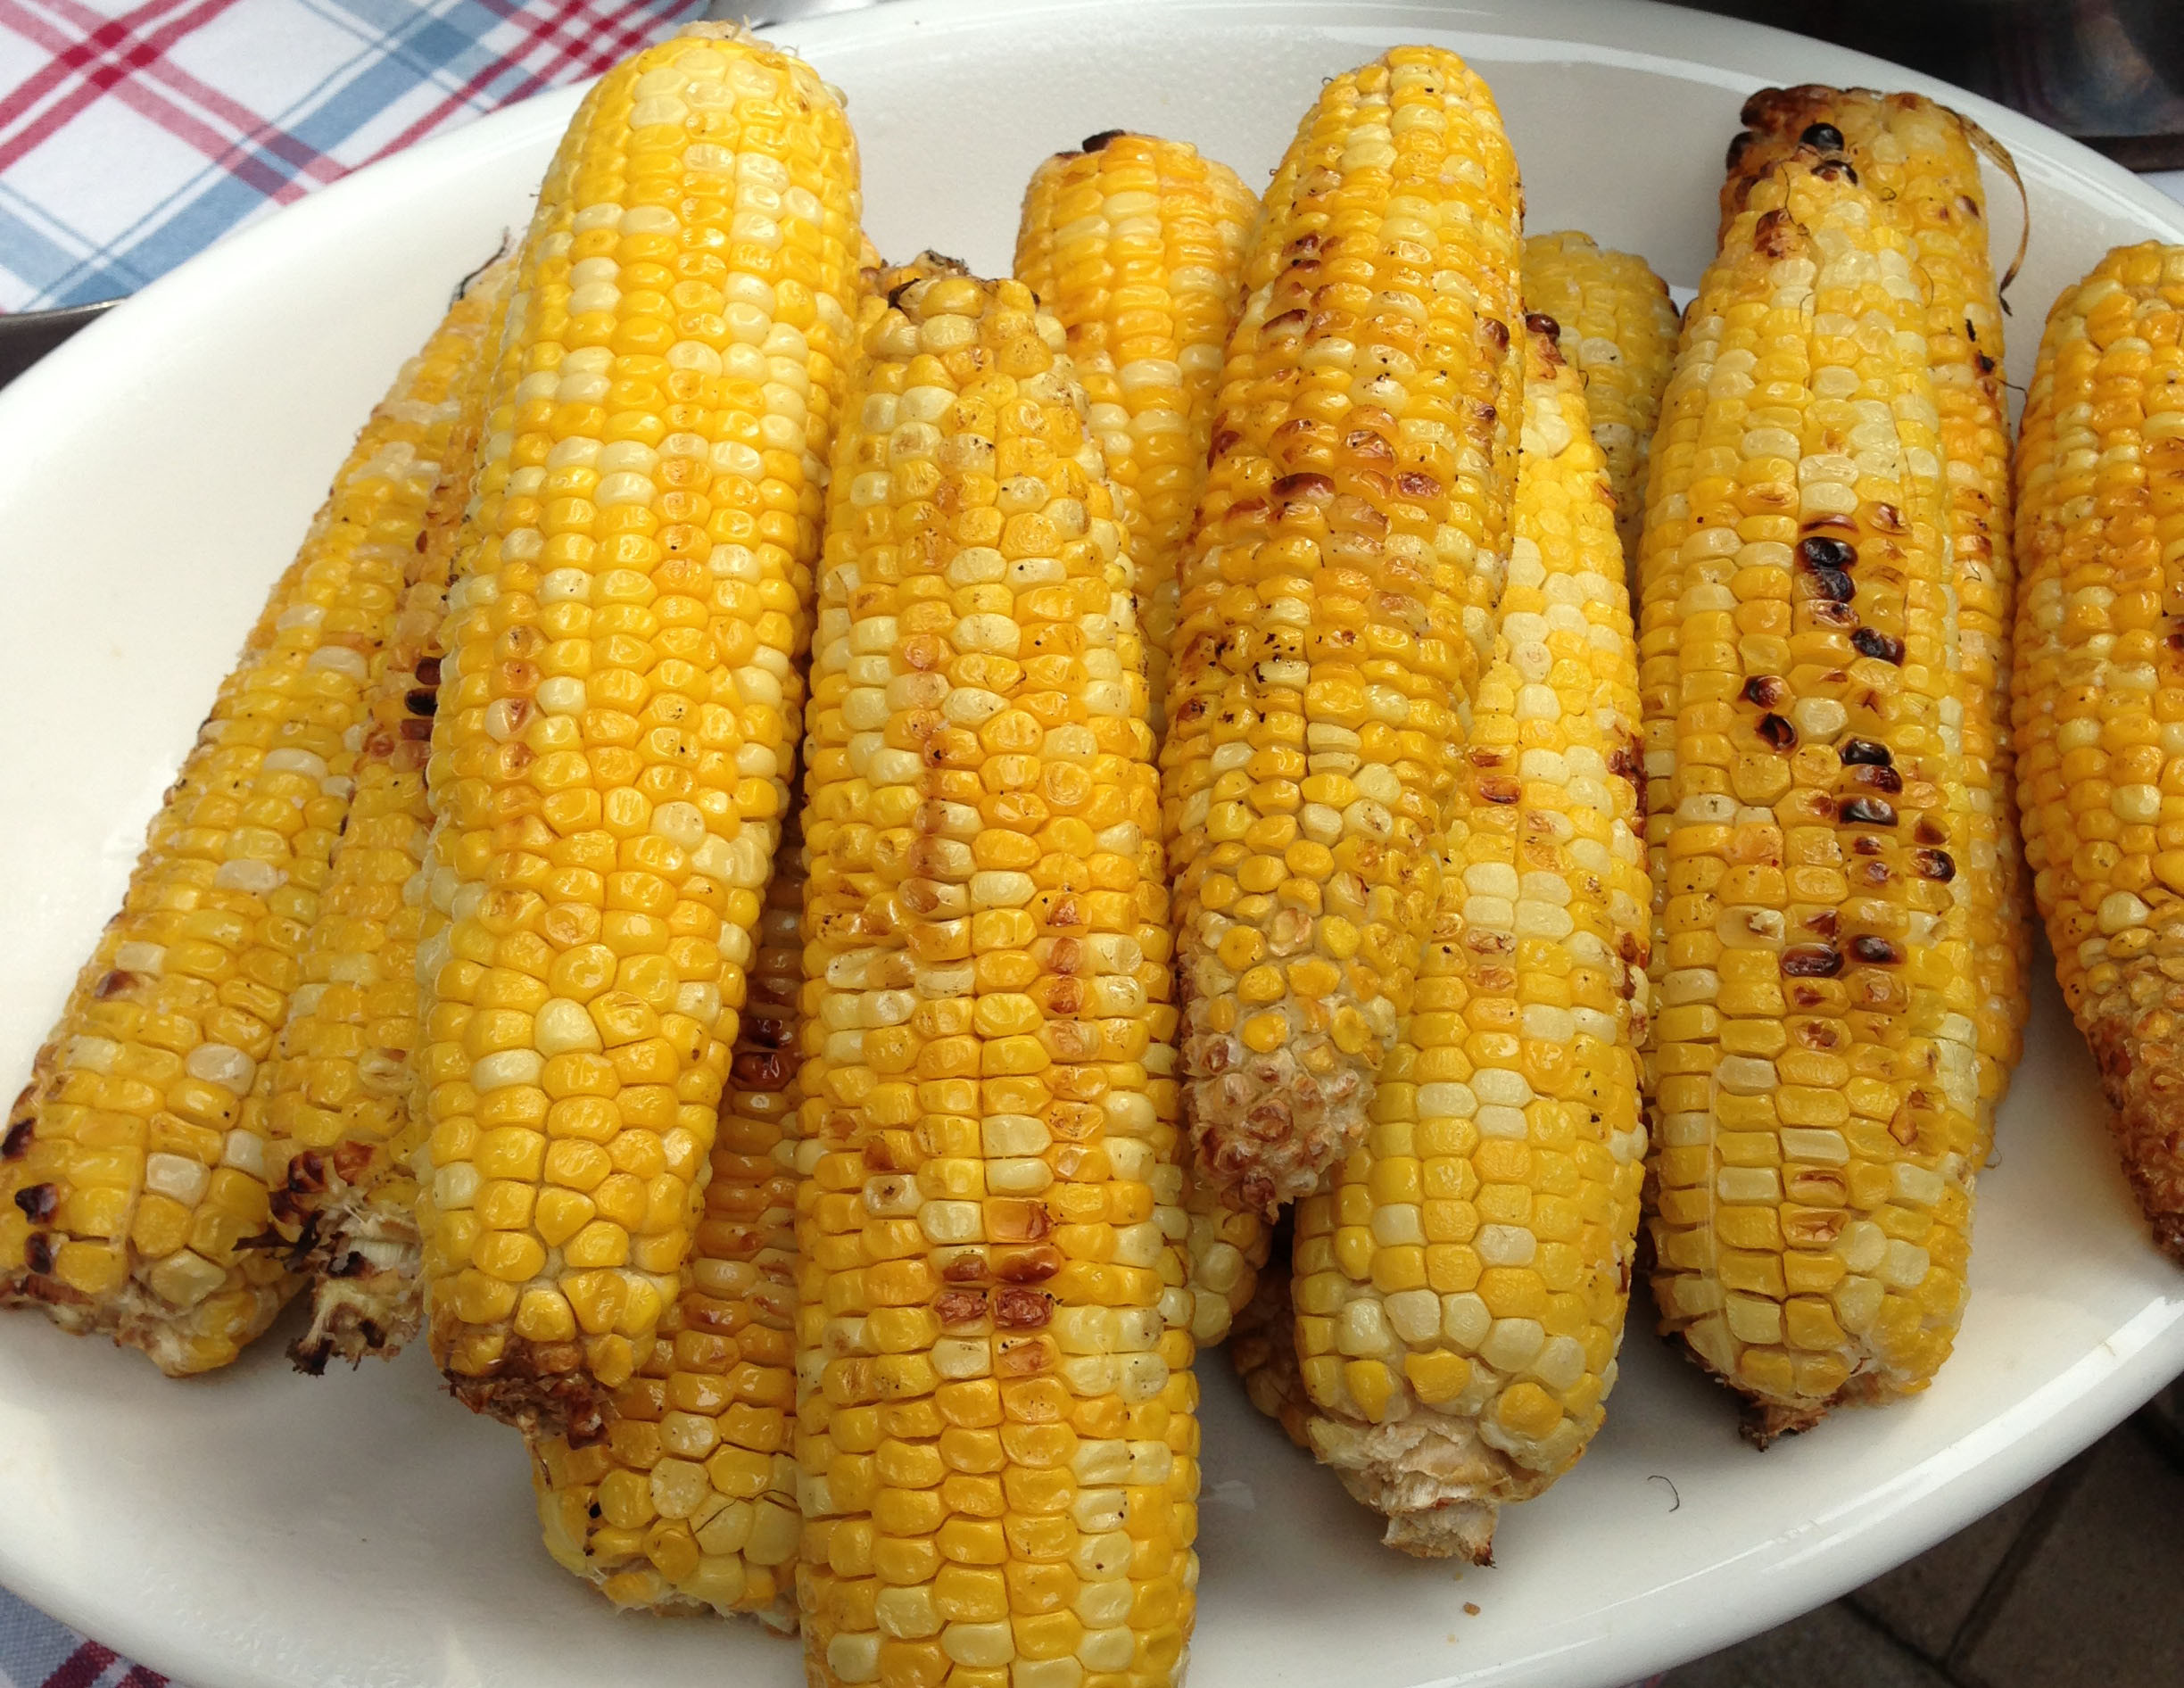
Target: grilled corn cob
<point>1815,1061</point>
<point>1136,245</point>
<point>620,700</point>
<point>1461,1285</point>
<point>1620,332</point>
<point>133,1162</point>
<point>1262,1349</point>
<point>689,1502</point>
<point>996,1419</point>
<point>2099,712</point>
<point>1336,595</point>
<point>336,1096</point>
<point>1923,161</point>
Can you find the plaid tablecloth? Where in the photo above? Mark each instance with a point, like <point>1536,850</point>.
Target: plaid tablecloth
<point>134,136</point>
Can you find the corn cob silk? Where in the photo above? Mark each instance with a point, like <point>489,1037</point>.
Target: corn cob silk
<point>1336,601</point>
<point>619,705</point>
<point>996,1410</point>
<point>135,1162</point>
<point>1815,1058</point>
<point>2098,699</point>
<point>1461,1285</point>
<point>1136,245</point>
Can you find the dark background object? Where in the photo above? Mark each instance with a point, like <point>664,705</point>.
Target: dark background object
<point>30,335</point>
<point>2108,72</point>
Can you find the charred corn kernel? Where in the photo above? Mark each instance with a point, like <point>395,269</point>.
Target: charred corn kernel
<point>1923,161</point>
<point>138,1153</point>
<point>993,1370</point>
<point>620,697</point>
<point>1803,706</point>
<point>1618,331</point>
<point>1336,594</point>
<point>339,1128</point>
<point>1508,1117</point>
<point>1136,244</point>
<point>703,1430</point>
<point>2100,730</point>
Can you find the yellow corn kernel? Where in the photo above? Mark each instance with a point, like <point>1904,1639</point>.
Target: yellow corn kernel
<point>1616,327</point>
<point>172,1026</point>
<point>634,469</point>
<point>1921,160</point>
<point>2097,471</point>
<point>1331,621</point>
<point>1809,796</point>
<point>987,1217</point>
<point>1504,1163</point>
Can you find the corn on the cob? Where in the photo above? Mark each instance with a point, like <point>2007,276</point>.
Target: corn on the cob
<point>2099,708</point>
<point>1814,1063</point>
<point>688,1504</point>
<point>1262,1348</point>
<point>1336,595</point>
<point>132,1165</point>
<point>1136,244</point>
<point>1460,1284</point>
<point>996,1424</point>
<point>1921,160</point>
<point>1618,331</point>
<point>334,1096</point>
<point>620,700</point>
<point>1135,247</point>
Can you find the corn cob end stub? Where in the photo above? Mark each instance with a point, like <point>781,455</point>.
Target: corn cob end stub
<point>2140,1052</point>
<point>1265,1122</point>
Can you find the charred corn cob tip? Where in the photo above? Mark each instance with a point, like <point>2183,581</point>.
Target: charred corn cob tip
<point>620,701</point>
<point>1617,326</point>
<point>135,1164</point>
<point>1921,160</point>
<point>1136,244</point>
<point>1461,1285</point>
<point>1339,584</point>
<point>1816,1079</point>
<point>2100,481</point>
<point>688,1503</point>
<point>989,1381</point>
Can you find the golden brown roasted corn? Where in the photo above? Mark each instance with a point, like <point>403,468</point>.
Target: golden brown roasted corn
<point>1460,1284</point>
<point>1618,331</point>
<point>1337,594</point>
<point>1921,160</point>
<point>995,1417</point>
<point>1815,1059</point>
<point>2099,708</point>
<point>619,706</point>
<point>134,1165</point>
<point>689,1502</point>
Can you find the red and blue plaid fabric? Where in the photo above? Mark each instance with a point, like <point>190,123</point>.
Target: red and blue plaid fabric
<point>37,1652</point>
<point>134,136</point>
